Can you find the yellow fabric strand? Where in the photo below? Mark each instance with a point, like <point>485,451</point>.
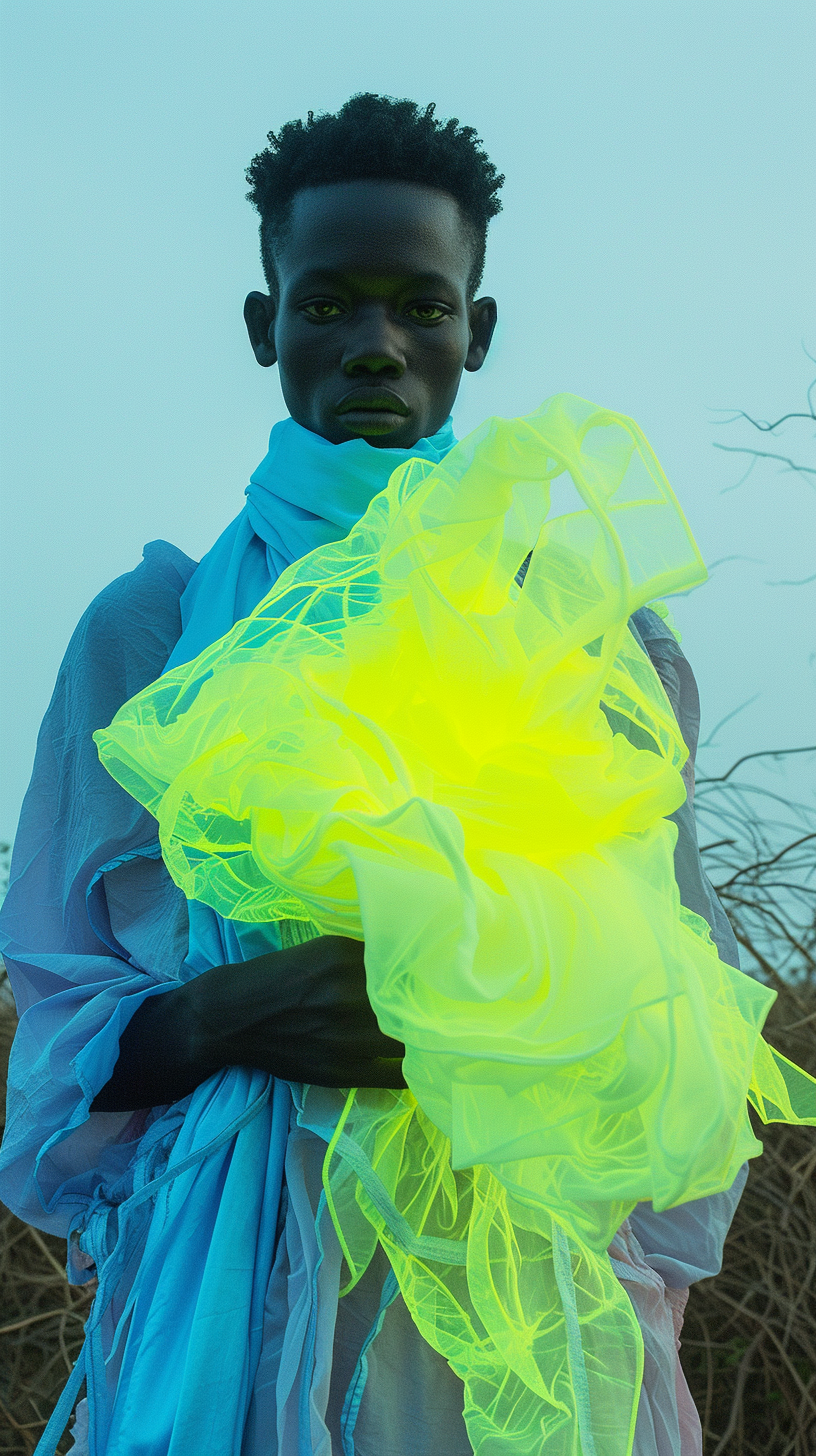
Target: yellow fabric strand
<point>402,746</point>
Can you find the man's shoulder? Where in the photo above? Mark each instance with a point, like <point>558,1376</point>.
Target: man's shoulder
<point>161,576</point>
<point>142,597</point>
<point>127,633</point>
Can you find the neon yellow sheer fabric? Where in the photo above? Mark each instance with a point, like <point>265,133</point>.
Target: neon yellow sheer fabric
<point>403,746</point>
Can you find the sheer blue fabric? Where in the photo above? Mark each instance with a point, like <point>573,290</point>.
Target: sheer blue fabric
<point>216,1324</point>
<point>80,960</point>
<point>177,1208</point>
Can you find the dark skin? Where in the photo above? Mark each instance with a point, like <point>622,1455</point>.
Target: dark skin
<point>371,327</point>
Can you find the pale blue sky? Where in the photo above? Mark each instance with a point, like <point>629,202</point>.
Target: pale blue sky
<point>655,254</point>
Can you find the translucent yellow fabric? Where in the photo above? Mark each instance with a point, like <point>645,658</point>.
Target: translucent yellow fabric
<point>403,746</point>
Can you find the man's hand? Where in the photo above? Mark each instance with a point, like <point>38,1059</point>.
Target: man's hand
<point>302,1014</point>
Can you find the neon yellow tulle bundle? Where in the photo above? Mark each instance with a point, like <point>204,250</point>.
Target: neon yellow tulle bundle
<point>403,746</point>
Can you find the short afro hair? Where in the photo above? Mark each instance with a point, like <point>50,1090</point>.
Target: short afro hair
<point>380,138</point>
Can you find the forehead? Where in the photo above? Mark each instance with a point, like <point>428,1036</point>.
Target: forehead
<point>376,227</point>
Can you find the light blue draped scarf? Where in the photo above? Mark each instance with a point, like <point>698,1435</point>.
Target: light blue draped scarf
<point>305,493</point>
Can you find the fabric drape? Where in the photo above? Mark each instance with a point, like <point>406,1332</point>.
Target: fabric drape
<point>398,724</point>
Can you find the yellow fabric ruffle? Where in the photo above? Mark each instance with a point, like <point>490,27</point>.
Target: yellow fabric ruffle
<point>402,746</point>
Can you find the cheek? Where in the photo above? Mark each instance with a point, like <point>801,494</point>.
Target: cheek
<point>447,357</point>
<point>441,349</point>
<point>304,357</point>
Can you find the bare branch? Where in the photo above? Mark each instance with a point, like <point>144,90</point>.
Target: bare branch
<point>746,758</point>
<point>762,455</point>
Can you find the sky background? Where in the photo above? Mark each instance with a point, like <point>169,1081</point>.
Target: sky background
<point>655,254</point>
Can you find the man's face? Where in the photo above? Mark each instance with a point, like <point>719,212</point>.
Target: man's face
<point>372,327</point>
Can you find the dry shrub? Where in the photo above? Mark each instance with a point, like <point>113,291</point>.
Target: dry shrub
<point>749,1342</point>
<point>41,1314</point>
<point>749,1338</point>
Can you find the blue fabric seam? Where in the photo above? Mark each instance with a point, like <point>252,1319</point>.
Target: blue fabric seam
<point>58,1420</point>
<point>354,1395</point>
<point>562,1266</point>
<point>304,1418</point>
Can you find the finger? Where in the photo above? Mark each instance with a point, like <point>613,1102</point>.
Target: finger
<point>373,1072</point>
<point>388,1073</point>
<point>388,1048</point>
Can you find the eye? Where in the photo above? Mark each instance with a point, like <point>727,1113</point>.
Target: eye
<point>428,313</point>
<point>322,310</point>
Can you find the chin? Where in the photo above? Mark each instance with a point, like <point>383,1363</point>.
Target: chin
<point>389,431</point>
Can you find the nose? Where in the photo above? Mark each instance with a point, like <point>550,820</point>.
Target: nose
<point>373,347</point>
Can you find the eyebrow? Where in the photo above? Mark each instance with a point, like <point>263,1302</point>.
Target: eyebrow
<point>314,277</point>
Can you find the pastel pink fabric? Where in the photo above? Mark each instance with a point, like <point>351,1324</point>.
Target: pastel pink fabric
<point>668,1423</point>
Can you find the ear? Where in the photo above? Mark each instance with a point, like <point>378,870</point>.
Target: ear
<point>482,316</point>
<point>259,317</point>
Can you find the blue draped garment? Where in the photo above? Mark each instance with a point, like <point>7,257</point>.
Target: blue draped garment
<point>215,1326</point>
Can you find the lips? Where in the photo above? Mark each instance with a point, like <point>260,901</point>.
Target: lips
<point>370,401</point>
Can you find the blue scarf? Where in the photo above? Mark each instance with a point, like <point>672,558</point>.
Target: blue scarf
<point>305,493</point>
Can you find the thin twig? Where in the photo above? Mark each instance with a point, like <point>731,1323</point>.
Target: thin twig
<point>34,1319</point>
<point>746,758</point>
<point>38,1239</point>
<point>765,455</point>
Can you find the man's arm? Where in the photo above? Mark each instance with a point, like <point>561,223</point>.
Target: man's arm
<point>301,1013</point>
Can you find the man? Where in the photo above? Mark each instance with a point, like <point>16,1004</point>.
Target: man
<point>142,1117</point>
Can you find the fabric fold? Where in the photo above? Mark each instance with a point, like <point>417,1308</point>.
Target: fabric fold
<point>397,724</point>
